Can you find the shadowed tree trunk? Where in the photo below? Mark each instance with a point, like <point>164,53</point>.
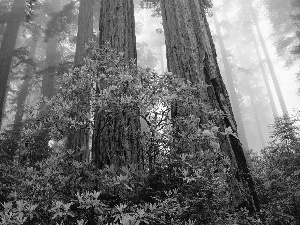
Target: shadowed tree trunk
<point>85,29</point>
<point>191,55</point>
<point>116,137</point>
<point>23,92</point>
<point>231,86</point>
<point>52,57</point>
<point>16,16</point>
<point>268,58</point>
<point>79,139</point>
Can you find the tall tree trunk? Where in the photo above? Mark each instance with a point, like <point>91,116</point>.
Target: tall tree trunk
<point>23,92</point>
<point>191,55</point>
<point>52,57</point>
<point>231,86</point>
<point>269,61</point>
<point>256,116</point>
<point>79,139</point>
<point>264,73</point>
<point>85,29</point>
<point>16,16</point>
<point>116,137</point>
<point>162,56</point>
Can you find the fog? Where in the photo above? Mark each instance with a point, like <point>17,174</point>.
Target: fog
<point>53,28</point>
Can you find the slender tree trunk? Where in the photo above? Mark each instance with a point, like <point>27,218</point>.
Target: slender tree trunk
<point>269,61</point>
<point>85,29</point>
<point>191,55</point>
<point>52,57</point>
<point>23,92</point>
<point>16,16</point>
<point>116,137</point>
<point>161,48</point>
<point>256,116</point>
<point>231,86</point>
<point>79,139</point>
<point>264,73</point>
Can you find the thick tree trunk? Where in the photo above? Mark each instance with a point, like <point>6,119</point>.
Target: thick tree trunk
<point>23,92</point>
<point>79,139</point>
<point>231,86</point>
<point>269,61</point>
<point>264,73</point>
<point>16,16</point>
<point>117,26</point>
<point>116,137</point>
<point>191,55</point>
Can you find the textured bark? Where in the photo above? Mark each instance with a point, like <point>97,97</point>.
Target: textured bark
<point>269,61</point>
<point>23,92</point>
<point>231,86</point>
<point>191,55</point>
<point>117,26</point>
<point>79,139</point>
<point>116,137</point>
<point>16,16</point>
<point>85,29</point>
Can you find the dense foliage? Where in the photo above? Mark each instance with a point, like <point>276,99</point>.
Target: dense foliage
<point>46,185</point>
<point>277,172</point>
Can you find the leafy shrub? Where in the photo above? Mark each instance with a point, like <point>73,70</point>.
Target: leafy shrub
<point>184,180</point>
<point>276,173</point>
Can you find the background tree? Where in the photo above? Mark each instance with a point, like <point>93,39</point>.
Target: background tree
<point>231,85</point>
<point>13,20</point>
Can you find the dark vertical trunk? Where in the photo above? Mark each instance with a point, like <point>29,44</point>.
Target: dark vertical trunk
<point>16,16</point>
<point>264,73</point>
<point>85,29</point>
<point>191,55</point>
<point>79,139</point>
<point>52,57</point>
<point>116,137</point>
<point>23,92</point>
<point>269,61</point>
<point>116,26</point>
<point>231,86</point>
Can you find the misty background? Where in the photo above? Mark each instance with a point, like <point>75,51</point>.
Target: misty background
<point>46,46</point>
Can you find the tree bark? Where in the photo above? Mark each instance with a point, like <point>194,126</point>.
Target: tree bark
<point>191,55</point>
<point>231,86</point>
<point>16,16</point>
<point>23,92</point>
<point>85,29</point>
<point>79,139</point>
<point>116,137</point>
<point>269,61</point>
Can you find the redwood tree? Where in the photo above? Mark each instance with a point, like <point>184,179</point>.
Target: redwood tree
<point>8,43</point>
<point>79,139</point>
<point>116,137</point>
<point>23,92</point>
<point>191,55</point>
